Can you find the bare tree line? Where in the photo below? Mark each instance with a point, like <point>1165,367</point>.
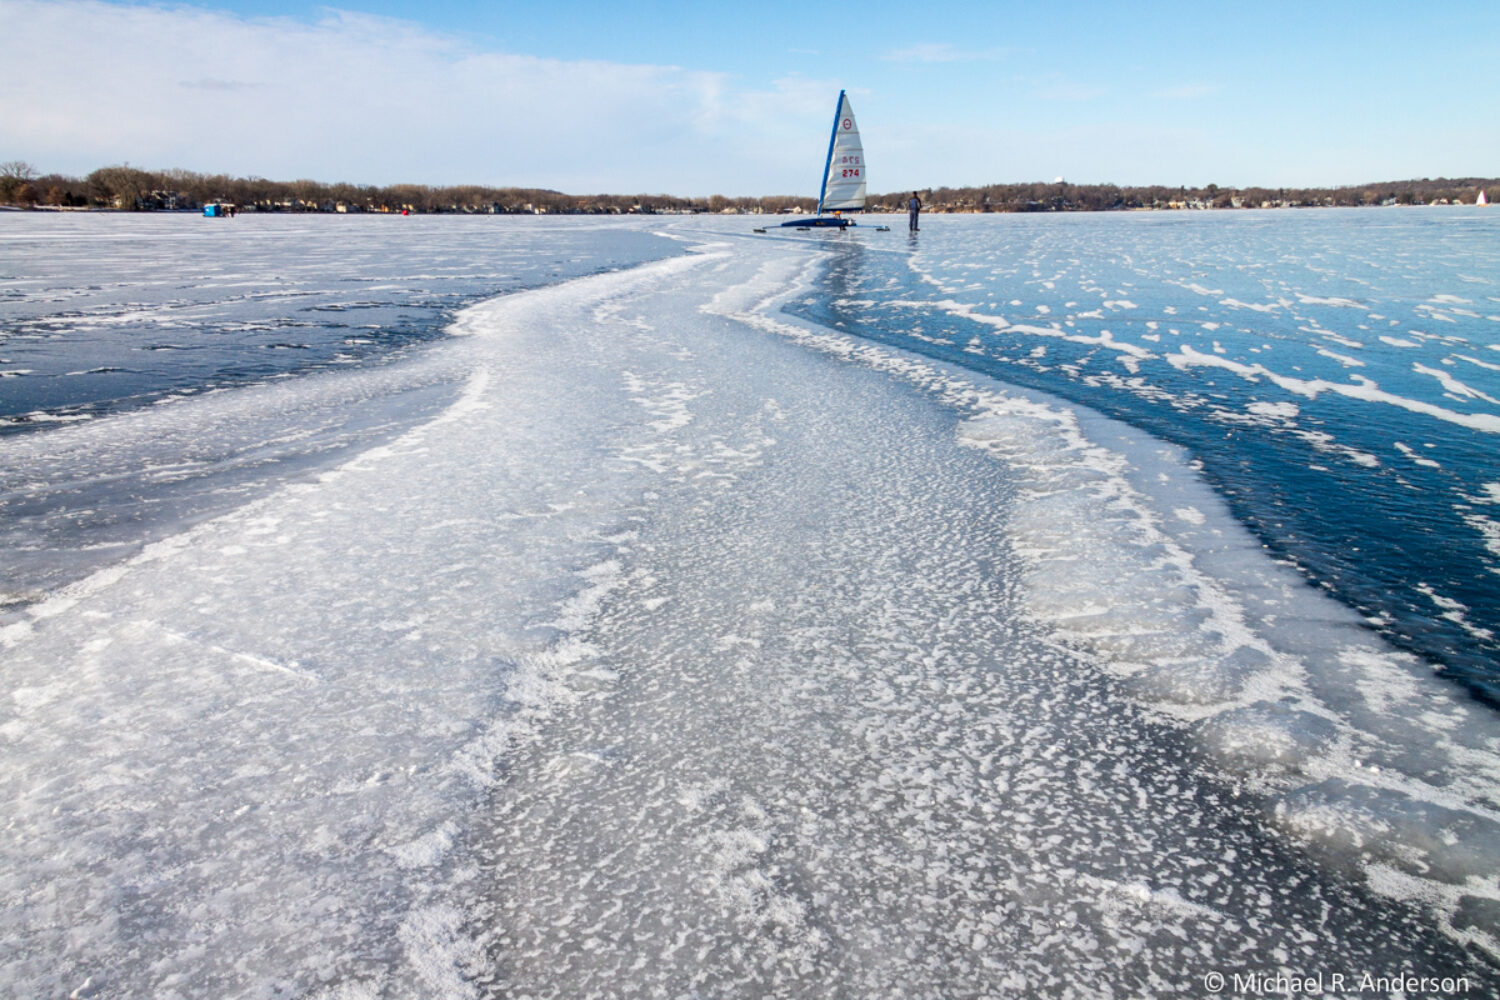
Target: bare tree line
<point>1061,196</point>
<point>130,188</point>
<point>133,189</point>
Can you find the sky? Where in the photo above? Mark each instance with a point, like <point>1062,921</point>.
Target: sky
<point>700,98</point>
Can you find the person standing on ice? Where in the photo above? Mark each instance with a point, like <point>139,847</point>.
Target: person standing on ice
<point>912,208</point>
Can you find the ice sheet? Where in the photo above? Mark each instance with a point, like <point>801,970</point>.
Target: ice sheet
<point>1293,354</point>
<point>695,650</point>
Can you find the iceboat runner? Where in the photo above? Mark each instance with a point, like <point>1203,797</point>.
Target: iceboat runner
<point>843,187</point>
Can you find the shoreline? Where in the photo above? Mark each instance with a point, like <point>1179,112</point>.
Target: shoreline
<point>926,210</point>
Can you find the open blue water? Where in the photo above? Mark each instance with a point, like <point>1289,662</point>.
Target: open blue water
<point>1336,373</point>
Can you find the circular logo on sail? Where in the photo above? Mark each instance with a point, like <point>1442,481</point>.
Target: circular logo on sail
<point>848,124</point>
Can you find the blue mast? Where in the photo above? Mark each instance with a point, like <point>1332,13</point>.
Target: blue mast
<point>832,135</point>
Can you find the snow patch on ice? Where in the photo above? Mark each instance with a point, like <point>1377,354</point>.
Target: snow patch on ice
<point>447,960</point>
<point>1278,411</point>
<point>1452,385</point>
<point>1321,300</point>
<point>1264,307</point>
<point>1412,454</point>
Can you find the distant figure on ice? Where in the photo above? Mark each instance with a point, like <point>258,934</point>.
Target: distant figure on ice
<point>912,208</point>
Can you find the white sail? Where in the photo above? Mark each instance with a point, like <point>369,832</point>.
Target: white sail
<point>844,176</point>
<point>1482,200</point>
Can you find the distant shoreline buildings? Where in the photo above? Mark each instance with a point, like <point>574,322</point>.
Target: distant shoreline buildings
<point>126,188</point>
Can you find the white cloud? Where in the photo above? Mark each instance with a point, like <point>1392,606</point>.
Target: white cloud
<point>374,100</point>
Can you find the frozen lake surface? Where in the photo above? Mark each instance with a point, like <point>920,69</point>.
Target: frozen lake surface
<point>654,641</point>
<point>105,314</point>
<point>1336,373</point>
<point>102,313</point>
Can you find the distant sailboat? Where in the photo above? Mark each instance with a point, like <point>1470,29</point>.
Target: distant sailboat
<point>1481,200</point>
<point>843,187</point>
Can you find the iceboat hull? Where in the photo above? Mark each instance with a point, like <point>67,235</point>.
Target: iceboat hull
<point>820,222</point>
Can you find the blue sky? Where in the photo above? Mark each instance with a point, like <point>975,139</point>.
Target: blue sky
<point>699,98</point>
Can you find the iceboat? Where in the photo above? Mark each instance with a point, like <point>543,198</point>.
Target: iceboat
<point>843,187</point>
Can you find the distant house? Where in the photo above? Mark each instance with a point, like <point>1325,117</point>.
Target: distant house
<point>167,201</point>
